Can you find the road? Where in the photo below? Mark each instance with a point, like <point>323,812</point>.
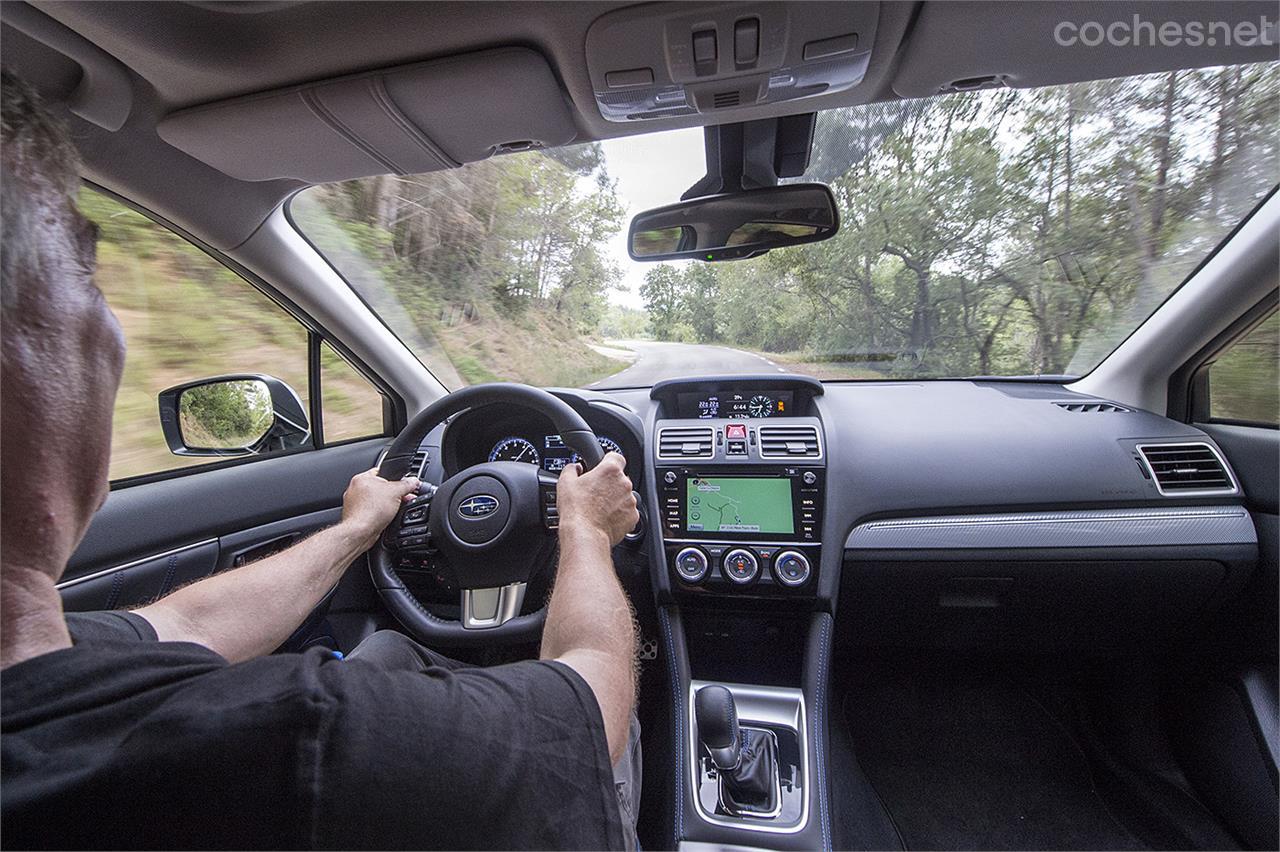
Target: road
<point>657,361</point>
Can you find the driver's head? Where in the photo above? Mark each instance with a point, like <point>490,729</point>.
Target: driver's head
<point>62,350</point>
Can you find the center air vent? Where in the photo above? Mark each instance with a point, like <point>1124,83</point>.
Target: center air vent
<point>686,442</point>
<point>777,442</point>
<point>1187,469</point>
<point>1092,407</point>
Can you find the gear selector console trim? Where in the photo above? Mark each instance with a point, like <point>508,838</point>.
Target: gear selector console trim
<point>778,711</point>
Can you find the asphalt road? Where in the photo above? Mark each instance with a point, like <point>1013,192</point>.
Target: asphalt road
<point>657,361</point>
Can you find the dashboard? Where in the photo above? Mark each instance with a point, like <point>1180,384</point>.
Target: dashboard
<point>965,512</point>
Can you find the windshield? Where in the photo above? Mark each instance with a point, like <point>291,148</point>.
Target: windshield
<point>1004,232</point>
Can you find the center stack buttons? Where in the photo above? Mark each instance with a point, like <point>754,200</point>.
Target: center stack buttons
<point>691,565</point>
<point>740,566</point>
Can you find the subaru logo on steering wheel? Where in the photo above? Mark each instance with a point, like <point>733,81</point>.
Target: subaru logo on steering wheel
<point>479,506</point>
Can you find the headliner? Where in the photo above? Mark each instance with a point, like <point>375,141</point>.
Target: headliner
<point>182,54</point>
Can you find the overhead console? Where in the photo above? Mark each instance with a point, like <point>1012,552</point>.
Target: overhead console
<point>674,59</point>
<point>740,469</point>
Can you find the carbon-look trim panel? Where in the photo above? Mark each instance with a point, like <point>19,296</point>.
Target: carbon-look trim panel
<point>1096,528</point>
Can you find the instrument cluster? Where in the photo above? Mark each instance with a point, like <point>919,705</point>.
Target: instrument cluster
<point>549,451</point>
<point>516,434</point>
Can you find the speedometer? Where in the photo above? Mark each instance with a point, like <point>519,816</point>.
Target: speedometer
<point>514,449</point>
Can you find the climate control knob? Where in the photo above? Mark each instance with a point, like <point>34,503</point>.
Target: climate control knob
<point>691,565</point>
<point>791,568</point>
<point>740,566</point>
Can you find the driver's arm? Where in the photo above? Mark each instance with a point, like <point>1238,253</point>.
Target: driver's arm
<point>250,611</point>
<point>589,621</point>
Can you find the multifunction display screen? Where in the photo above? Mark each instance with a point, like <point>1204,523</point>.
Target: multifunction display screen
<point>740,504</point>
<point>736,404</point>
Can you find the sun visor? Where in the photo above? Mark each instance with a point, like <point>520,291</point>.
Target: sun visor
<point>403,120</point>
<point>978,45</point>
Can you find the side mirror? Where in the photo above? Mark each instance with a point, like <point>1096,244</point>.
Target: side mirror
<point>735,225</point>
<point>239,415</point>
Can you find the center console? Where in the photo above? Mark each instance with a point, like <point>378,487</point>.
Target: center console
<point>739,473</point>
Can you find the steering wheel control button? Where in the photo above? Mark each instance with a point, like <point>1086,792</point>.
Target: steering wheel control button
<point>550,512</point>
<point>691,565</point>
<point>791,568</point>
<point>416,515</point>
<point>740,566</point>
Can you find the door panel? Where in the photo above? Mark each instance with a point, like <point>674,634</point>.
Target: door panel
<point>134,583</point>
<point>149,539</point>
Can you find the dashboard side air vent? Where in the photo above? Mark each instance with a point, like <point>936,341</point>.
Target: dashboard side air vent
<point>1092,407</point>
<point>418,464</point>
<point>1186,469</point>
<point>789,442</point>
<point>686,442</point>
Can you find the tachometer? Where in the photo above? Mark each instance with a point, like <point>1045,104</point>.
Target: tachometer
<point>514,449</point>
<point>607,444</point>
<point>760,406</point>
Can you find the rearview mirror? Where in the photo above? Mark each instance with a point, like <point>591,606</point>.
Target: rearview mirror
<point>240,415</point>
<point>735,225</point>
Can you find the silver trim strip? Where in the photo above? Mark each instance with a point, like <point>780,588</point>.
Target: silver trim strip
<point>66,584</point>
<point>510,599</point>
<point>1096,528</point>
<point>772,705</point>
<point>1182,492</point>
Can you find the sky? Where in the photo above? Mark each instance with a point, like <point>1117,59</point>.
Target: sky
<point>652,170</point>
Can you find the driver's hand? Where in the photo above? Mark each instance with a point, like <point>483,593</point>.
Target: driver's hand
<point>600,499</point>
<point>371,502</point>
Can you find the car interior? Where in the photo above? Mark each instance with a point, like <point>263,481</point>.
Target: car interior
<point>961,610</point>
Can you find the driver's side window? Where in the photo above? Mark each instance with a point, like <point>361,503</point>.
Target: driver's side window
<point>187,317</point>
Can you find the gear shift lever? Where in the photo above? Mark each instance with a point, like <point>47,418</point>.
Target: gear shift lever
<point>747,760</point>
<point>717,718</point>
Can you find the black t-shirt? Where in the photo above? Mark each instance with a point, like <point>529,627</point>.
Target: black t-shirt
<point>123,742</point>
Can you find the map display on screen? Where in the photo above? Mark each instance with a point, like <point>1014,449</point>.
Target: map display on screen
<point>738,504</point>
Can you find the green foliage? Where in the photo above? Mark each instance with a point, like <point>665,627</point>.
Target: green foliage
<point>506,245</point>
<point>225,415</point>
<point>1243,382</point>
<point>623,323</point>
<point>1009,232</point>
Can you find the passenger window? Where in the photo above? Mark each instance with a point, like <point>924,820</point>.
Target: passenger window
<point>1243,382</point>
<point>185,317</point>
<point>350,405</point>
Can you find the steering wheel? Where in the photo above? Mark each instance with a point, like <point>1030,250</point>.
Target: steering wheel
<point>495,523</point>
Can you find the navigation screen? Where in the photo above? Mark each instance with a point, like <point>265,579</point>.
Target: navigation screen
<point>738,504</point>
